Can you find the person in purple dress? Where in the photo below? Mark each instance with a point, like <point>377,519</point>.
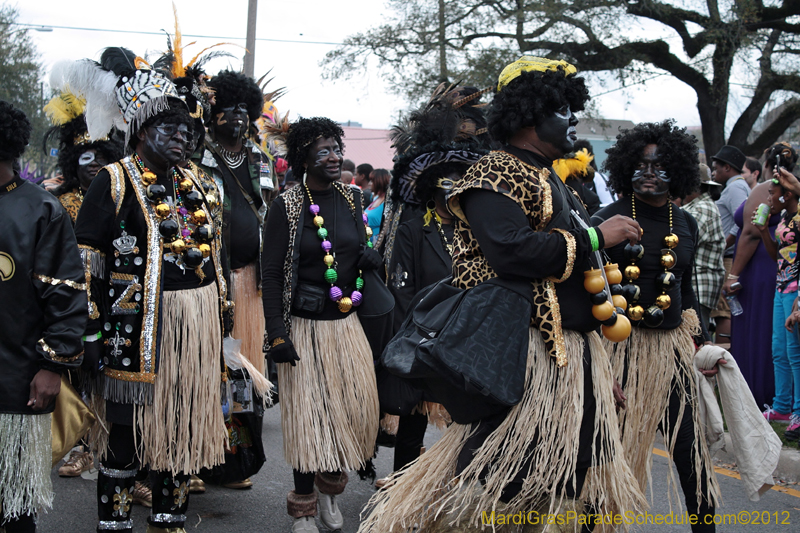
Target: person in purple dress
<point>751,337</point>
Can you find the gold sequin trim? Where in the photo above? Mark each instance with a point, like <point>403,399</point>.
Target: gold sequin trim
<point>570,256</point>
<point>142,377</point>
<point>54,282</point>
<point>54,356</point>
<point>558,333</point>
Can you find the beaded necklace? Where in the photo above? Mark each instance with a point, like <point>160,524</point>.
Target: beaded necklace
<point>183,226</point>
<point>447,245</point>
<point>653,316</point>
<point>331,275</point>
<point>232,159</point>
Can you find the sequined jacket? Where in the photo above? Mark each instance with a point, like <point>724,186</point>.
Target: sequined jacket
<point>124,278</point>
<point>42,292</point>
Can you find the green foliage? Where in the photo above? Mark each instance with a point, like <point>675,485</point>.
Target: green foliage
<point>21,84</point>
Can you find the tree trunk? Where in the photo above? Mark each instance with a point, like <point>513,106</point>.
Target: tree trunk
<point>712,120</point>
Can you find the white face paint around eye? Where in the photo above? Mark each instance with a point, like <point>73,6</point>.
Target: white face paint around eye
<point>660,174</point>
<point>564,113</point>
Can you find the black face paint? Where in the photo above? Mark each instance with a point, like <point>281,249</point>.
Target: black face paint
<point>649,178</point>
<point>324,160</point>
<point>231,122</point>
<point>558,130</point>
<point>167,145</point>
<point>89,164</point>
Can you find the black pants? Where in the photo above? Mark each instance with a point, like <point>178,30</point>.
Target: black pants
<point>683,456</point>
<point>115,483</point>
<point>410,436</point>
<point>22,524</point>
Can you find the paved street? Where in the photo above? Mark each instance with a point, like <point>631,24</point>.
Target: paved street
<point>262,509</point>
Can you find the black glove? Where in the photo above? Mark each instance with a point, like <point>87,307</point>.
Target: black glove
<point>227,321</point>
<point>281,350</point>
<point>370,260</point>
<point>92,355</point>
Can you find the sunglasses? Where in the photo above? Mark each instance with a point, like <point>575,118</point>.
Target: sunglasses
<point>171,129</point>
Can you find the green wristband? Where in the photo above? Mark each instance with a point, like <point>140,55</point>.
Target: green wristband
<point>593,239</point>
<point>92,338</point>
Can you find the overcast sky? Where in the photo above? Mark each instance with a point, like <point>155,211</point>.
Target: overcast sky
<point>295,65</point>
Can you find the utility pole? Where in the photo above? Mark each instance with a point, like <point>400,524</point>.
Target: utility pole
<point>250,44</point>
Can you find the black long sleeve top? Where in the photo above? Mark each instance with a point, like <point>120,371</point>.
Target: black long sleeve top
<point>514,250</point>
<point>655,223</point>
<point>343,233</point>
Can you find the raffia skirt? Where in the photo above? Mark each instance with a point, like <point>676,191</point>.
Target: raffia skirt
<point>248,324</point>
<point>655,361</point>
<point>183,430</point>
<point>428,495</point>
<point>25,462</point>
<point>329,400</point>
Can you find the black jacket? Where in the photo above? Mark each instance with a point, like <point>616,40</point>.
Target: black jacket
<point>42,294</point>
<point>419,260</point>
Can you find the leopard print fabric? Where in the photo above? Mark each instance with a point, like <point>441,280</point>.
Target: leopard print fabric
<point>527,186</point>
<point>71,201</point>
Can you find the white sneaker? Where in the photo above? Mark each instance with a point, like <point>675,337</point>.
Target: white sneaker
<point>329,512</point>
<point>304,524</point>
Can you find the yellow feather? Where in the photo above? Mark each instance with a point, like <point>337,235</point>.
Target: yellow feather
<point>574,166</point>
<point>64,108</point>
<point>178,70</point>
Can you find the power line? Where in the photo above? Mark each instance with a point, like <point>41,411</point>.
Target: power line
<point>41,27</point>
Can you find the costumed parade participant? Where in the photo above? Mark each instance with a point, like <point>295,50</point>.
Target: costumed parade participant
<point>559,446</point>
<point>79,157</point>
<point>435,147</point>
<point>40,337</point>
<point>647,165</point>
<point>242,171</point>
<point>152,254</point>
<point>314,273</point>
<point>238,170</point>
<point>576,171</point>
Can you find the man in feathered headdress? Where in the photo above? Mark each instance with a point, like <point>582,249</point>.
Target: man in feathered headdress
<point>435,147</point>
<point>148,232</point>
<point>41,322</point>
<point>79,157</point>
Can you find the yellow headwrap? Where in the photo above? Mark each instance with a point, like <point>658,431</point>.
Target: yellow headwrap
<point>528,63</point>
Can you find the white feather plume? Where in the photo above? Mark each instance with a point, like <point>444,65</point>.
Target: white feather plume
<point>97,86</point>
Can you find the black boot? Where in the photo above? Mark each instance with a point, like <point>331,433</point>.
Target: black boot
<point>170,500</point>
<point>114,499</point>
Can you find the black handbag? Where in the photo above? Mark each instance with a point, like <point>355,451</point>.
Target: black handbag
<point>475,341</point>
<point>309,298</point>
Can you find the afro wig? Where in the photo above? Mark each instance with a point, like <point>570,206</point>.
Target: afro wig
<point>69,153</point>
<point>677,150</point>
<point>302,135</point>
<point>526,100</point>
<point>232,88</point>
<point>15,132</point>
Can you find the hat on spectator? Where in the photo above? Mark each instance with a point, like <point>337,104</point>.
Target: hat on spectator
<point>732,156</point>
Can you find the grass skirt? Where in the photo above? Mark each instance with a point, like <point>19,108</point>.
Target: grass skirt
<point>183,430</point>
<point>329,401</point>
<point>248,323</point>
<point>25,462</point>
<point>427,495</point>
<point>653,360</point>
